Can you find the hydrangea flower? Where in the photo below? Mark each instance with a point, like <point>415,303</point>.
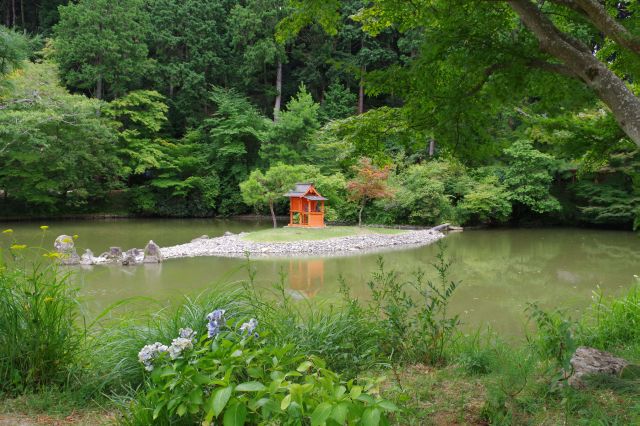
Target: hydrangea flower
<point>187,333</point>
<point>178,345</point>
<point>216,322</point>
<point>149,352</point>
<point>249,327</point>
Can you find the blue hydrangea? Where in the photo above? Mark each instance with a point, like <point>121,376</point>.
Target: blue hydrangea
<point>216,322</point>
<point>249,328</point>
<point>149,352</point>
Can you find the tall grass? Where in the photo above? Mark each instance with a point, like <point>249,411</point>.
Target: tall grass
<point>41,334</point>
<point>613,321</point>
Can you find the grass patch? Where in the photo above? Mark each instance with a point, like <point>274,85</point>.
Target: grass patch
<point>302,234</point>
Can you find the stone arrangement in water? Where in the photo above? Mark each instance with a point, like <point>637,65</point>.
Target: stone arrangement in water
<point>65,248</point>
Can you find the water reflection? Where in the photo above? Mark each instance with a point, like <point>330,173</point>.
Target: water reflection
<point>500,270</point>
<point>306,277</point>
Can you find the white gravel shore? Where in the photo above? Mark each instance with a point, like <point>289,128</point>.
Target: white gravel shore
<point>236,246</point>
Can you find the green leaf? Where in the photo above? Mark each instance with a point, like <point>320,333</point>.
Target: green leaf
<point>371,417</point>
<point>250,387</point>
<point>286,401</point>
<point>340,412</point>
<point>321,414</point>
<point>235,415</point>
<point>355,392</point>
<point>304,366</point>
<point>157,410</point>
<point>387,405</point>
<point>219,400</point>
<point>182,409</point>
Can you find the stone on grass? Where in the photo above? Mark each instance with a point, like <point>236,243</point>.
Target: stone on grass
<point>227,233</point>
<point>152,253</point>
<point>587,361</point>
<point>201,237</point>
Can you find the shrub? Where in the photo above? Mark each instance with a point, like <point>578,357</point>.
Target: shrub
<point>236,375</point>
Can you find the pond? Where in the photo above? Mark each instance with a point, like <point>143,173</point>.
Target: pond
<point>499,270</point>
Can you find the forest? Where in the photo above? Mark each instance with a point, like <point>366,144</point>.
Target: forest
<point>470,112</point>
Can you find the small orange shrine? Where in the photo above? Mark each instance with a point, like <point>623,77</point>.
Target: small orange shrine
<point>306,206</point>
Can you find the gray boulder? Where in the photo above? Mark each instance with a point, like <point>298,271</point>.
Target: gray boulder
<point>87,258</point>
<point>130,257</point>
<point>65,247</point>
<point>586,361</point>
<point>152,253</point>
<point>115,252</point>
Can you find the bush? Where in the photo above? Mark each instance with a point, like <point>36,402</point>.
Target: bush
<point>236,375</point>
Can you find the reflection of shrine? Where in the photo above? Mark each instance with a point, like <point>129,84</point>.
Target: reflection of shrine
<point>306,276</point>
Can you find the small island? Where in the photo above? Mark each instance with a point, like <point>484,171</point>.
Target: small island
<point>332,240</point>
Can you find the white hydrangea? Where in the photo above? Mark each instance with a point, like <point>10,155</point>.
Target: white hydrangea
<point>178,345</point>
<point>250,327</point>
<point>149,352</point>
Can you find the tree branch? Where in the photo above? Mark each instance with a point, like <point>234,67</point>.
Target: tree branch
<point>604,22</point>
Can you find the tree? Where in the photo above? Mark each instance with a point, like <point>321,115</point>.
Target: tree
<point>266,188</point>
<point>14,48</point>
<point>231,140</point>
<point>56,151</point>
<point>140,114</point>
<point>370,183</point>
<point>528,177</point>
<point>190,46</point>
<point>338,102</point>
<point>288,137</point>
<point>100,45</point>
<point>474,51</point>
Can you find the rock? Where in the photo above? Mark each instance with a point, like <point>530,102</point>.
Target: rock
<point>442,227</point>
<point>115,252</point>
<point>152,253</point>
<point>227,234</point>
<point>87,258</point>
<point>201,237</point>
<point>65,248</point>
<point>130,257</point>
<point>587,361</point>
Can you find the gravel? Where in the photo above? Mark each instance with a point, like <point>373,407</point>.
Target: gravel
<point>235,245</point>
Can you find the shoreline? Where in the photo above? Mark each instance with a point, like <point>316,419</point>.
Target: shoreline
<point>234,245</point>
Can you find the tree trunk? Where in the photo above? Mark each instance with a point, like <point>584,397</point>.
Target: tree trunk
<point>578,60</point>
<point>363,68</point>
<point>273,214</point>
<point>24,28</point>
<point>360,213</point>
<point>13,13</point>
<point>276,107</point>
<point>432,147</point>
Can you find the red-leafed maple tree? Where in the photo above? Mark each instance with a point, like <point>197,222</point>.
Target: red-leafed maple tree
<point>370,183</point>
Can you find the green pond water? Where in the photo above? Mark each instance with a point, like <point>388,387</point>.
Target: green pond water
<point>499,270</point>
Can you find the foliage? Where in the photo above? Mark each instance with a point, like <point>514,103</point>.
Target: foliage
<point>338,103</point>
<point>486,202</point>
<point>235,375</point>
<point>419,329</point>
<point>288,136</point>
<point>57,151</point>
<point>141,115</point>
<point>41,338</point>
<point>14,48</point>
<point>100,46</point>
<point>529,176</point>
<point>370,183</point>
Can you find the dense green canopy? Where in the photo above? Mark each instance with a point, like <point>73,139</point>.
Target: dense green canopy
<point>483,111</point>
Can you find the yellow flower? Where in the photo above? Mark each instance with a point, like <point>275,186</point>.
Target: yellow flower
<point>18,246</point>
<point>48,299</point>
<point>51,255</point>
<point>8,231</point>
<point>44,227</point>
<point>76,236</point>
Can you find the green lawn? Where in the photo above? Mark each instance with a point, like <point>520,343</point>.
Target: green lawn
<point>301,234</point>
